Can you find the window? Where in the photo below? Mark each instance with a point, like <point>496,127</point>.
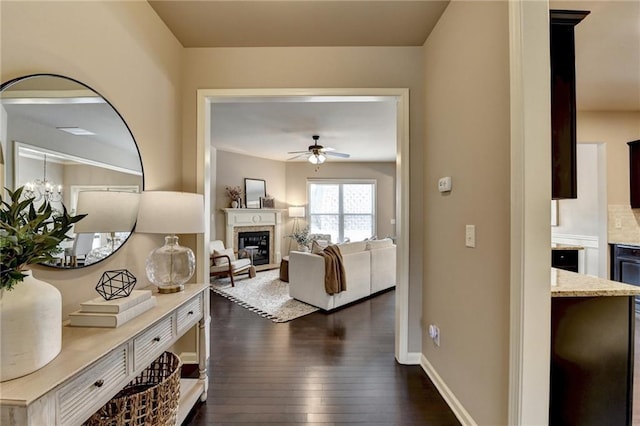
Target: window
<point>342,208</point>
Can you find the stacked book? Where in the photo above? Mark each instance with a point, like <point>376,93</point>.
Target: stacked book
<point>99,312</point>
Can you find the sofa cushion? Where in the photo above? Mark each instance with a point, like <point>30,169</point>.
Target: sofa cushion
<point>318,246</point>
<point>219,261</point>
<point>348,248</point>
<point>377,244</point>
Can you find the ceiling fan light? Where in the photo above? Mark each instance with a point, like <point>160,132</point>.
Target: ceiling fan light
<point>321,158</point>
<point>313,159</point>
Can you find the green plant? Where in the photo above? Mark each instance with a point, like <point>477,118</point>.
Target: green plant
<point>28,235</point>
<point>301,236</point>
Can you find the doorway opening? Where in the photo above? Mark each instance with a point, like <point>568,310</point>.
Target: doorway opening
<point>207,98</point>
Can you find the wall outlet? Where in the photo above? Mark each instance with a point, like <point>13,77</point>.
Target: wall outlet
<point>444,184</point>
<point>434,333</point>
<point>618,223</point>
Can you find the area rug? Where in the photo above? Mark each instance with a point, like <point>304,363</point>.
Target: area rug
<point>265,295</point>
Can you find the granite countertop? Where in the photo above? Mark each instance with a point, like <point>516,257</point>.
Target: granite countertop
<point>570,284</point>
<point>565,247</point>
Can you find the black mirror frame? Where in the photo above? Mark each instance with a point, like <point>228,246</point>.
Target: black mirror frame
<point>16,80</point>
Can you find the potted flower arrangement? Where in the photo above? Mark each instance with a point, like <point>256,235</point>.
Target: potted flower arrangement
<point>235,195</point>
<point>30,309</point>
<point>302,238</point>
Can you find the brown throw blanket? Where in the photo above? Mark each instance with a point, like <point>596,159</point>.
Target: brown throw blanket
<point>335,279</point>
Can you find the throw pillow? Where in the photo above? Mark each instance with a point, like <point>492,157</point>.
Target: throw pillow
<point>221,261</point>
<point>376,244</point>
<point>318,246</point>
<point>348,248</point>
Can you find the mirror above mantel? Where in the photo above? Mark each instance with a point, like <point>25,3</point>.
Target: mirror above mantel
<point>59,130</point>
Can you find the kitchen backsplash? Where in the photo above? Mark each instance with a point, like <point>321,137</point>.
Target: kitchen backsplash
<point>624,224</point>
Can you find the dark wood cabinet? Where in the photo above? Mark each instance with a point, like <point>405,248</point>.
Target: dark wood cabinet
<point>591,361</point>
<point>634,173</point>
<point>563,102</point>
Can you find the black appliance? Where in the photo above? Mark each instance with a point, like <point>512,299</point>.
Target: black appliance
<point>625,265</point>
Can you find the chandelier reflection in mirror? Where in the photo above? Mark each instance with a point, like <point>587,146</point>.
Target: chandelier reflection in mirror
<point>43,189</point>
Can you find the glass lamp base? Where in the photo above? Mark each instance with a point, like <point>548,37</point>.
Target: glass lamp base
<point>170,266</point>
<point>170,288</point>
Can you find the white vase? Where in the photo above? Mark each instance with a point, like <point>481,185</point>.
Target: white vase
<point>30,327</point>
<point>234,204</point>
<point>303,247</point>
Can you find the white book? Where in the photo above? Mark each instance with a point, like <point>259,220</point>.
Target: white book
<point>94,319</point>
<point>116,305</point>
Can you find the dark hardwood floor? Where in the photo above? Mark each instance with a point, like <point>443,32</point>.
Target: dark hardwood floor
<point>322,369</point>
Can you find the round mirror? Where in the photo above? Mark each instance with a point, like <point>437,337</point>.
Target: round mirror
<point>60,139</point>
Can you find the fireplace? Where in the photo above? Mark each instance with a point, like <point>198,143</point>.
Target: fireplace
<point>255,244</point>
<point>254,222</point>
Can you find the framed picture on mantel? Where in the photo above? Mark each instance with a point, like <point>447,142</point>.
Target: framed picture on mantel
<point>254,190</point>
<point>267,202</point>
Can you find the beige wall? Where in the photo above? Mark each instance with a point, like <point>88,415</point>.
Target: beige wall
<point>319,67</point>
<point>125,52</point>
<point>231,169</point>
<point>615,129</point>
<point>467,133</point>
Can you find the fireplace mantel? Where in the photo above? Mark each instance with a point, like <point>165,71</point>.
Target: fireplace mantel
<point>251,219</point>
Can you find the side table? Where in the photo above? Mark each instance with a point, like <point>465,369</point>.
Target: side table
<point>284,269</point>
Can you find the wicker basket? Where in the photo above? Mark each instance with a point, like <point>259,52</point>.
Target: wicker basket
<point>149,399</point>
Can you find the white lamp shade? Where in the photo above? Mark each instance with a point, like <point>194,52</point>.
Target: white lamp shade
<point>167,212</point>
<point>296,211</point>
<point>107,211</point>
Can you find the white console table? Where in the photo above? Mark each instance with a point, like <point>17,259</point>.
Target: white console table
<point>95,363</point>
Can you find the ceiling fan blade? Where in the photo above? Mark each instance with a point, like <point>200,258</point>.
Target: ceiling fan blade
<point>327,149</point>
<point>298,152</point>
<point>338,154</point>
<point>298,156</point>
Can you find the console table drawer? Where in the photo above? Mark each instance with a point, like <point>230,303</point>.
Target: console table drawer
<point>150,344</point>
<point>93,387</point>
<point>189,313</point>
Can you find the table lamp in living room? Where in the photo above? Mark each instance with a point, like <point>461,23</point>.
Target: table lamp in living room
<point>166,212</point>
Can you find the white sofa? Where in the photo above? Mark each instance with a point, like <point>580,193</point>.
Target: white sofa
<point>370,267</point>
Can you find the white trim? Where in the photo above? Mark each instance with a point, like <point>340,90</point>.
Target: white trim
<point>590,241</point>
<point>413,358</point>
<point>530,304</point>
<point>447,394</point>
<point>206,97</point>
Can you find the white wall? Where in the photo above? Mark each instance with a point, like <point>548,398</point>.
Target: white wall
<point>579,219</point>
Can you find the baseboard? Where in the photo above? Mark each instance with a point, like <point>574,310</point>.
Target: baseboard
<point>413,358</point>
<point>456,406</point>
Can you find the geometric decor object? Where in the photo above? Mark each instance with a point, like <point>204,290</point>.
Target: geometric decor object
<point>116,284</point>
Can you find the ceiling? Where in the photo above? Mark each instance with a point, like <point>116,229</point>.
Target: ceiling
<point>607,63</point>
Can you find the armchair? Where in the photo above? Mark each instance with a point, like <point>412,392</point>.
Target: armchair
<point>224,262</point>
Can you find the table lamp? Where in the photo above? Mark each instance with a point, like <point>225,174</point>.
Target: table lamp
<point>166,212</point>
<point>107,212</point>
<point>296,212</point>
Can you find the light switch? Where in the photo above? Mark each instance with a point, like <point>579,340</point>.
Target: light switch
<point>470,236</point>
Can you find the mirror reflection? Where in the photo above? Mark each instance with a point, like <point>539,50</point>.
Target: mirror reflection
<point>254,189</point>
<point>60,138</point>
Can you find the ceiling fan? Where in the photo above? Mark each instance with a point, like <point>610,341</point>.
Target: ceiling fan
<point>317,154</point>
